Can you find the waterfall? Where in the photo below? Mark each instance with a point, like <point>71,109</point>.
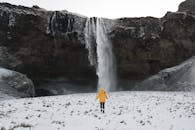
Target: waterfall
<point>100,53</point>
<point>90,35</point>
<point>106,68</point>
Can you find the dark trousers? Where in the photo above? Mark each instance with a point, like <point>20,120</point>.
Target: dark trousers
<point>102,106</point>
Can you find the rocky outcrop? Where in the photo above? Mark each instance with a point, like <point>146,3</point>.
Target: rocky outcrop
<point>187,6</point>
<point>15,85</point>
<point>177,78</point>
<point>49,44</point>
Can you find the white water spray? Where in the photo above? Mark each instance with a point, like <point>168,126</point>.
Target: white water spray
<point>95,33</point>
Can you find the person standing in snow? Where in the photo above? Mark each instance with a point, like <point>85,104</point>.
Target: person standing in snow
<point>102,98</point>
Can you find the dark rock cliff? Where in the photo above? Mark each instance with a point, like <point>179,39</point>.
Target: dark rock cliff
<point>144,46</point>
<point>45,44</point>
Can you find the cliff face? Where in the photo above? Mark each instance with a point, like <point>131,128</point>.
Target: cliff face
<point>45,44</point>
<point>144,46</point>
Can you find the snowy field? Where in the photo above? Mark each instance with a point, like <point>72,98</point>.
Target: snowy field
<point>124,111</point>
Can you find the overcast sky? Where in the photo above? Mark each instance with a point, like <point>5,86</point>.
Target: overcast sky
<point>106,8</point>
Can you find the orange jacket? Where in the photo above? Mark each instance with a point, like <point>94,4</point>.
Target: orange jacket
<point>102,95</point>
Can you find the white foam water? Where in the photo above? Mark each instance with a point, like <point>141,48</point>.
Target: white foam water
<point>95,33</point>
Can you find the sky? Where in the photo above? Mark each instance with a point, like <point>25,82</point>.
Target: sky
<point>106,8</point>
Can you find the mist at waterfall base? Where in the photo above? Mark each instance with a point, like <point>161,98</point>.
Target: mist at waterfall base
<point>177,78</point>
<point>62,86</point>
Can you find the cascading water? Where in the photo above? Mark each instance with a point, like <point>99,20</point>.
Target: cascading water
<point>90,36</point>
<point>100,50</point>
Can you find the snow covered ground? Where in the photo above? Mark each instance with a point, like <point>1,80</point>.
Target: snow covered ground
<point>124,111</point>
